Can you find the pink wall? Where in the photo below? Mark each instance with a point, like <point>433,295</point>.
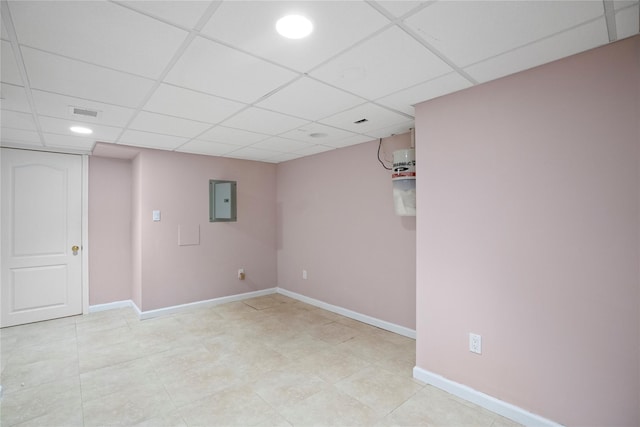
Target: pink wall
<point>336,220</point>
<point>529,221</point>
<point>162,273</point>
<point>109,230</point>
<point>178,185</point>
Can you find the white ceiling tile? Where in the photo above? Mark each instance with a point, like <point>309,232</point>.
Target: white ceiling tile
<point>250,153</point>
<point>468,32</point>
<point>18,120</point>
<point>282,157</point>
<point>316,133</point>
<point>186,103</point>
<point>395,129</point>
<point>352,140</point>
<point>98,32</point>
<point>314,149</point>
<point>73,78</point>
<point>384,64</point>
<point>250,25</point>
<point>398,7</point>
<point>628,21</point>
<point>54,105</point>
<point>226,135</point>
<point>61,127</point>
<point>20,136</point>
<point>619,4</point>
<point>568,43</point>
<point>219,70</point>
<point>376,117</point>
<point>3,32</point>
<point>310,99</point>
<point>263,121</point>
<point>8,67</point>
<point>14,98</point>
<point>69,142</point>
<point>407,98</point>
<point>151,140</point>
<point>280,144</point>
<point>184,13</point>
<point>159,123</point>
<point>207,147</point>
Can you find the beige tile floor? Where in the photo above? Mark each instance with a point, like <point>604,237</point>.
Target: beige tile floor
<point>266,361</point>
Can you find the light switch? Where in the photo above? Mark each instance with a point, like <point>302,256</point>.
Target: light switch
<point>156,216</point>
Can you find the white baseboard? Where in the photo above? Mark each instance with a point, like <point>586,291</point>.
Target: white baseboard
<point>392,327</point>
<point>497,406</point>
<point>200,304</point>
<point>178,308</point>
<point>382,324</point>
<point>111,306</point>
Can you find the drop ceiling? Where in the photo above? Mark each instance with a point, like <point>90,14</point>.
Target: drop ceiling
<point>215,78</point>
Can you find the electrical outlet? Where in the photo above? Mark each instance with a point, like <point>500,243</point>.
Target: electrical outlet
<point>475,343</point>
<point>241,274</point>
<point>304,274</point>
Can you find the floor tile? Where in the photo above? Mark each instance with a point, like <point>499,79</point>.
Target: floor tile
<point>380,390</point>
<point>330,407</point>
<point>331,365</point>
<point>230,407</point>
<point>128,406</point>
<point>270,361</point>
<point>431,406</point>
<point>33,402</point>
<point>284,387</point>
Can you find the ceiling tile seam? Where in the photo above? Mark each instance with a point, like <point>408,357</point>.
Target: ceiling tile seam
<point>277,89</point>
<point>174,59</point>
<point>83,61</point>
<point>333,113</point>
<point>351,47</point>
<point>610,19</point>
<point>397,19</point>
<point>111,104</point>
<point>198,136</point>
<point>181,118</point>
<point>166,21</point>
<point>414,86</point>
<point>205,93</point>
<point>413,34</point>
<point>245,52</point>
<point>548,36</point>
<point>17,55</point>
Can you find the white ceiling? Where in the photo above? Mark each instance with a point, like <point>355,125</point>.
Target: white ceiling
<point>215,78</point>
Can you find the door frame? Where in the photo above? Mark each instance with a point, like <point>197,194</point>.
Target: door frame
<point>85,233</point>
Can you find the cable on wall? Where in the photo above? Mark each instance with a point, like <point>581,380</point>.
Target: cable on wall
<point>379,159</point>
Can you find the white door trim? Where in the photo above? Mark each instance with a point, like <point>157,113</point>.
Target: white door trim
<point>85,234</point>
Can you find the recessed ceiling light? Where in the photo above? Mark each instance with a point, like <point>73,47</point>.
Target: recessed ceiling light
<point>294,26</point>
<point>80,129</point>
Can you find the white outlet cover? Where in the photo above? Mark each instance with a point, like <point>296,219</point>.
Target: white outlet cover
<point>475,343</point>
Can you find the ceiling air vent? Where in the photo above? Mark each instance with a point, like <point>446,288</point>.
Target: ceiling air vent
<point>79,111</point>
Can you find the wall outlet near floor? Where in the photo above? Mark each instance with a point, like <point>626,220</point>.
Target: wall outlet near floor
<point>304,274</point>
<point>475,343</point>
<point>241,274</point>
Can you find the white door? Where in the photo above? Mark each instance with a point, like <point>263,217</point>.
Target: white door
<point>41,236</point>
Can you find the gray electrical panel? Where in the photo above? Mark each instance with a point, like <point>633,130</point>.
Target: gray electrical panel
<point>222,201</point>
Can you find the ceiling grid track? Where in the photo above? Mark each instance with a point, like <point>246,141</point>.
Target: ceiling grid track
<point>15,47</point>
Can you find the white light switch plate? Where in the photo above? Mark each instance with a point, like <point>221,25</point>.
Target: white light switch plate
<point>156,216</point>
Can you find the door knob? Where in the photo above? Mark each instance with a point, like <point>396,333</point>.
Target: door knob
<point>75,249</point>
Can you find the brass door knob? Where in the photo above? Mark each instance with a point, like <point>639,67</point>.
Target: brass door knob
<point>75,249</point>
